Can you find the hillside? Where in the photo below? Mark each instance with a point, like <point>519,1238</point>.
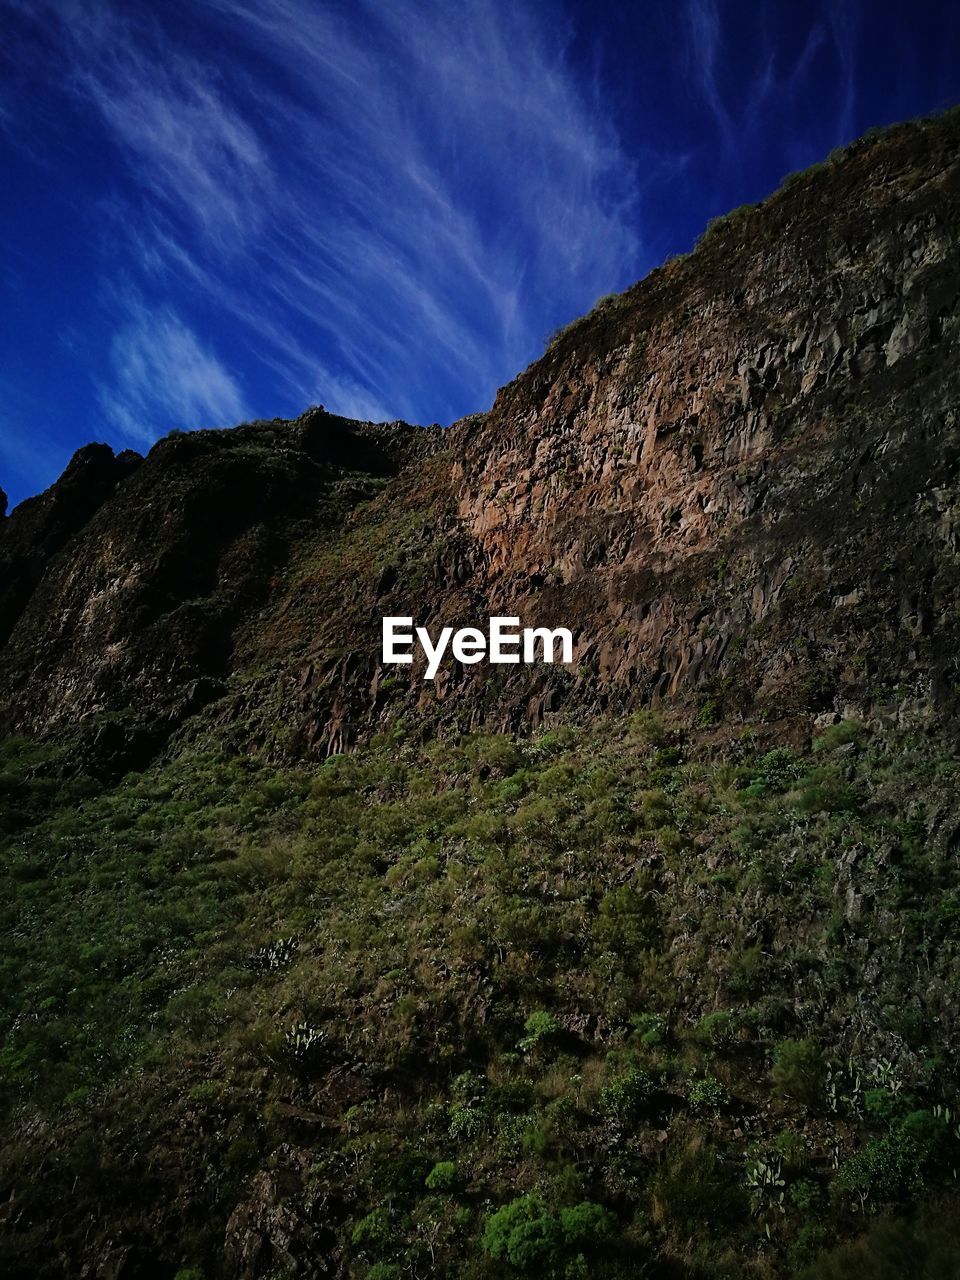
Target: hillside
<point>645,966</point>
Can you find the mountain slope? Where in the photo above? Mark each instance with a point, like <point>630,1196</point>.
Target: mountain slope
<point>647,966</point>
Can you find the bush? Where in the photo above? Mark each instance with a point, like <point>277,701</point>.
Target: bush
<point>623,1098</point>
<point>776,770</point>
<point>798,1071</point>
<point>649,1028</point>
<point>540,1026</point>
<point>710,713</point>
<point>466,1122</point>
<point>373,1231</point>
<point>893,1166</point>
<point>691,1188</point>
<point>707,1094</point>
<point>385,1271</point>
<point>823,792</point>
<point>838,735</point>
<point>627,920</point>
<point>718,1030</point>
<point>533,1239</point>
<point>725,221</point>
<point>805,1195</point>
<point>926,1249</point>
<point>808,1243</point>
<point>883,1106</point>
<point>442,1176</point>
<point>496,754</point>
<point>650,726</point>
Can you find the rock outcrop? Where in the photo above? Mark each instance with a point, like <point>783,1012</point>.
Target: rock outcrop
<point>125,585</point>
<point>42,526</point>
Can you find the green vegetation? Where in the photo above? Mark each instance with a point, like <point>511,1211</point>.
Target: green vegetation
<point>727,221</point>
<point>533,1239</point>
<point>574,1006</point>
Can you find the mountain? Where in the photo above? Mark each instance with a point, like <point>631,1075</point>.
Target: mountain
<point>734,482</point>
<point>644,964</point>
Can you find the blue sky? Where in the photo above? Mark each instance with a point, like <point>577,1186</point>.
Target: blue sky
<point>214,210</point>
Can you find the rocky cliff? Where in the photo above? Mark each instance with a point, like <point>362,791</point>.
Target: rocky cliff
<point>742,471</point>
<point>736,483</point>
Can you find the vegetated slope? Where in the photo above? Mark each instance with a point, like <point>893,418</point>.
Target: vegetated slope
<point>526,983</point>
<point>610,1002</point>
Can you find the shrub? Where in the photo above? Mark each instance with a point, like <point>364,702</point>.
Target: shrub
<point>882,1105</point>
<point>442,1176</point>
<point>553,742</point>
<point>777,770</point>
<point>627,920</point>
<point>649,1028</point>
<point>725,221</point>
<point>623,1098</point>
<point>718,1030</point>
<point>707,1094</point>
<point>466,1122</point>
<point>242,1152</point>
<point>373,1231</point>
<point>805,1195</point>
<point>691,1188</point>
<point>823,792</point>
<point>746,968</point>
<point>838,735</point>
<point>710,713</point>
<point>925,1249</point>
<point>798,1071</point>
<point>533,1239</point>
<point>540,1026</point>
<point>496,754</point>
<point>650,726</point>
<point>894,1166</point>
<point>808,1243</point>
<point>385,1271</point>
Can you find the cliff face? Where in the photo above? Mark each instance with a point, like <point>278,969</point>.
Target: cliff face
<point>736,483</point>
<point>743,469</point>
<point>42,526</point>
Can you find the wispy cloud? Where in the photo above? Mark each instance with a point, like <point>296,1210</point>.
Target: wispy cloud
<point>703,59</point>
<point>740,102</point>
<point>162,377</point>
<point>169,112</point>
<point>418,191</point>
<point>843,27</point>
